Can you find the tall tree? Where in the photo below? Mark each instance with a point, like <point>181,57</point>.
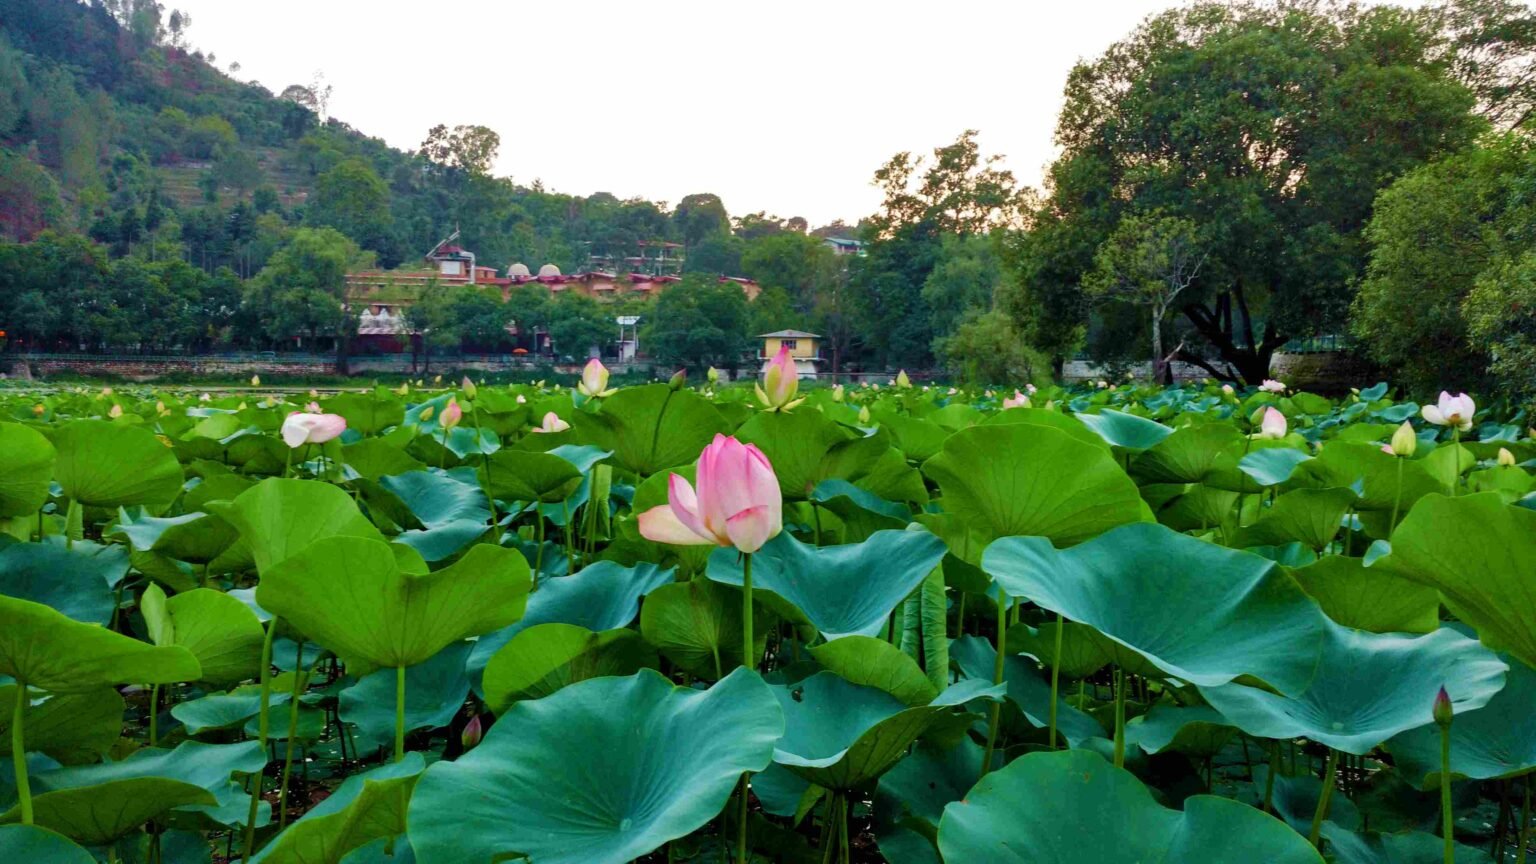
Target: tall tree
<point>302,290</point>
<point>1149,260</point>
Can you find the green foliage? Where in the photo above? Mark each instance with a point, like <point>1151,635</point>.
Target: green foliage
<point>698,323</point>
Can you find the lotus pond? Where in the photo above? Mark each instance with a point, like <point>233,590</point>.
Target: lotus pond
<point>682,623</point>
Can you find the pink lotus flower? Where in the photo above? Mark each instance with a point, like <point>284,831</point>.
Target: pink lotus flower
<point>594,379</point>
<point>115,412</point>
<point>300,428</point>
<point>313,408</point>
<point>1017,400</point>
<point>1270,385</point>
<point>1451,411</point>
<point>1273,425</point>
<point>737,503</point>
<point>552,423</point>
<point>781,379</point>
<point>452,414</point>
<point>473,732</point>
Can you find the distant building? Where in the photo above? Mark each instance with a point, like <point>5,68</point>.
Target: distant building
<point>844,246</point>
<point>804,348</point>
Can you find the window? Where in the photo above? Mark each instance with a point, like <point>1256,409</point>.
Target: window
<point>791,344</point>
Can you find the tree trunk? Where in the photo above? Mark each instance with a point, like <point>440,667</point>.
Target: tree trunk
<point>1157,347</point>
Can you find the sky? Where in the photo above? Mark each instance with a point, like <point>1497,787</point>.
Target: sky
<point>786,107</point>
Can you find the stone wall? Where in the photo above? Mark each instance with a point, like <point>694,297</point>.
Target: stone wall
<point>151,368</point>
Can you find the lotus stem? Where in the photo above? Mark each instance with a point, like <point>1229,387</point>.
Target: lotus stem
<point>1455,461</point>
<point>746,611</point>
<point>538,554</point>
<point>995,713</point>
<point>154,714</point>
<point>293,725</point>
<point>1055,679</point>
<point>1525,820</point>
<point>565,512</point>
<point>399,713</point>
<point>741,824</point>
<point>1269,782</point>
<point>74,524</point>
<point>1397,499</point>
<point>263,718</point>
<point>19,752</point>
<point>1119,718</point>
<point>1330,775</point>
<point>1447,818</point>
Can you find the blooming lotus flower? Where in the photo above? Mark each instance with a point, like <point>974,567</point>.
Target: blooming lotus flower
<point>313,407</point>
<point>1227,390</point>
<point>1404,442</point>
<point>1506,458</point>
<point>472,733</point>
<point>204,398</point>
<point>1017,400</point>
<point>1102,384</point>
<point>1273,425</point>
<point>115,412</point>
<point>255,380</point>
<point>737,502</point>
<point>300,428</point>
<point>1451,411</point>
<point>470,390</point>
<point>903,381</point>
<point>781,379</point>
<point>594,379</point>
<point>1270,385</point>
<point>1030,389</point>
<point>552,423</point>
<point>452,414</point>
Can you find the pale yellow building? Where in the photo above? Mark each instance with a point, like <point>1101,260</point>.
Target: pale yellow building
<point>804,347</point>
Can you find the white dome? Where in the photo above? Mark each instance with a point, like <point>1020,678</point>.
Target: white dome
<point>518,269</point>
<point>548,270</point>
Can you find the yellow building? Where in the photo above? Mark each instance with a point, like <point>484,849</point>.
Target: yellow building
<point>804,347</point>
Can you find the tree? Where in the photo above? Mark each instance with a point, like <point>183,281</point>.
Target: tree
<point>698,323</point>
<point>29,199</point>
<point>353,199</point>
<point>302,290</point>
<point>962,284</point>
<point>985,348</point>
<point>471,149</point>
<point>1270,127</point>
<point>480,317</point>
<point>1491,48</point>
<point>1149,260</point>
<point>433,318</point>
<point>578,324</point>
<point>957,191</point>
<point>699,216</point>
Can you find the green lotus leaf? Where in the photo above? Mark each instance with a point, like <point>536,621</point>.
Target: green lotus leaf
<point>895,515</point>
<point>450,506</point>
<point>842,590</point>
<point>1072,807</point>
<point>1082,647</point>
<point>364,808</point>
<point>350,595</point>
<point>1027,689</point>
<point>47,650</point>
<point>795,444</point>
<point>75,581</point>
<point>565,779</point>
<point>193,537</point>
<point>1272,466</point>
<point>1413,847</point>
<point>1070,424</point>
<point>697,626</point>
<point>1198,612</point>
<point>220,631</point>
<point>1030,480</point>
<point>1348,463</point>
<point>919,439</point>
<point>840,735</point>
<point>911,797</point>
<point>31,843</point>
<point>105,464</point>
<point>367,413</point>
<point>602,596</point>
<point>1198,730</point>
<point>434,693</point>
<point>653,427</point>
<point>1191,506</point>
<point>1126,431</point>
<point>1369,598</point>
<point>1495,741</point>
<point>374,458</point>
<point>279,518</point>
<point>1368,688</point>
<point>1309,516</point>
<point>26,467</point>
<point>70,728</point>
<point>98,815</point>
<point>231,709</point>
<point>209,767</point>
<point>1480,554</point>
<point>871,662</point>
<point>546,658</point>
<point>523,475</point>
<point>1187,456</point>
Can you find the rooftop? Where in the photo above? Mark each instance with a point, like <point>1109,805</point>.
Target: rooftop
<point>789,334</point>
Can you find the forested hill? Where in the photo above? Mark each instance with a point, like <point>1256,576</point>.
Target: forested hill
<point>112,125</point>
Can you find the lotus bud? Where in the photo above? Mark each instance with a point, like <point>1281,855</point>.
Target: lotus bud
<point>1226,390</point>
<point>115,412</point>
<point>552,423</point>
<point>472,733</point>
<point>713,375</point>
<point>240,407</point>
<point>313,393</point>
<point>469,388</point>
<point>594,379</point>
<point>437,381</point>
<point>1451,410</point>
<point>300,429</point>
<point>837,393</point>
<point>205,398</point>
<point>38,409</point>
<point>427,412</point>
<point>1506,458</point>
<point>1442,711</point>
<point>403,389</point>
<point>903,381</point>
<point>1404,441</point>
<point>313,407</point>
<point>781,380</point>
<point>1017,400</point>
<point>161,409</point>
<point>521,399</point>
<point>678,379</point>
<point>255,380</point>
<point>106,391</point>
<point>1273,425</point>
<point>864,415</point>
<point>452,414</point>
<point>420,383</point>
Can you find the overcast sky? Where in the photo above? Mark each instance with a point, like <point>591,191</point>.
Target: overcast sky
<point>786,107</point>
